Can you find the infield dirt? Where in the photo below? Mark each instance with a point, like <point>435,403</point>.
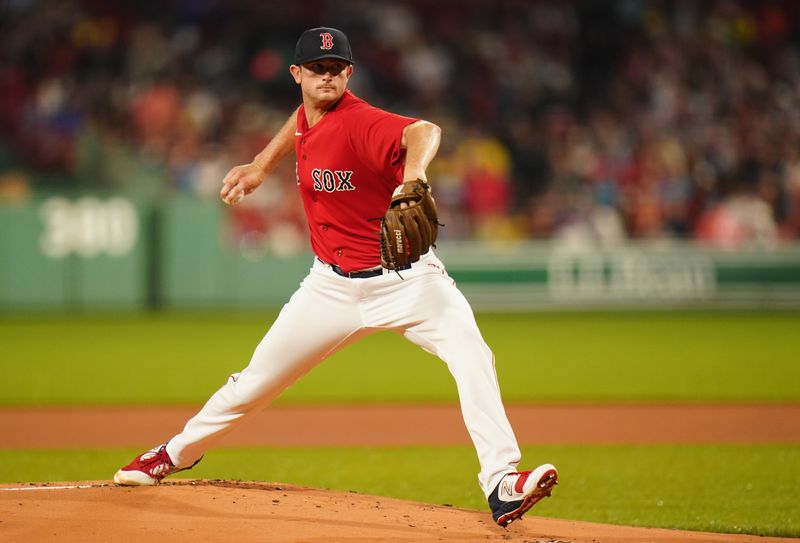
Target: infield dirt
<point>399,425</point>
<point>183,510</point>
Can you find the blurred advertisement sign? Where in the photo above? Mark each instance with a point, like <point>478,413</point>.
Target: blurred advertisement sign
<point>630,275</point>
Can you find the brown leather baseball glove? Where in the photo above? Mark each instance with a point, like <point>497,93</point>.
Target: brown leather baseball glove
<point>408,232</point>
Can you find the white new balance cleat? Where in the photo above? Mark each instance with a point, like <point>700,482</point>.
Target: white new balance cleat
<point>519,491</point>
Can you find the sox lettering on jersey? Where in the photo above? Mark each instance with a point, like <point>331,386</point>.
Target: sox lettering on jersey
<point>331,181</point>
<point>327,41</point>
<point>340,145</point>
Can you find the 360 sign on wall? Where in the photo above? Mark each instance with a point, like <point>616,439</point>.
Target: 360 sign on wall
<point>88,227</point>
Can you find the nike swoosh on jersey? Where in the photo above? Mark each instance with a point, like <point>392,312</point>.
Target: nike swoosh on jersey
<point>297,133</point>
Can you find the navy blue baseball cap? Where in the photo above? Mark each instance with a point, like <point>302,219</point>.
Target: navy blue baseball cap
<point>322,42</point>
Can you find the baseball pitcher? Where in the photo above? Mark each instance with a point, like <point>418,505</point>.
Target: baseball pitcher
<point>361,174</point>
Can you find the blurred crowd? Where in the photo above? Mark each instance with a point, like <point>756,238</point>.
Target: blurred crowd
<point>581,121</point>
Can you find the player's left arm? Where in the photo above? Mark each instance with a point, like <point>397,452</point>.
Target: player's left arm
<point>421,142</point>
<point>410,225</point>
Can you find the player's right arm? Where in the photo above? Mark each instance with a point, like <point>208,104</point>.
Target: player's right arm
<point>244,179</point>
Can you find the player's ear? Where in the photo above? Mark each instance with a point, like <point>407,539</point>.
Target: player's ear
<point>295,70</point>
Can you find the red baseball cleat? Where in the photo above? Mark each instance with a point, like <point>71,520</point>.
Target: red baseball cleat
<point>148,468</point>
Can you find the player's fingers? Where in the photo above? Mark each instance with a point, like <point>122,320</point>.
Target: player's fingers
<point>226,187</point>
<point>229,184</point>
<point>232,177</point>
<point>234,196</point>
<point>229,177</point>
<point>406,204</point>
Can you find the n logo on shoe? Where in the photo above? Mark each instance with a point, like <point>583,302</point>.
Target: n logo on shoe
<point>506,488</point>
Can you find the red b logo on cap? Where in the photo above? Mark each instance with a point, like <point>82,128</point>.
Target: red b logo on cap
<point>327,40</point>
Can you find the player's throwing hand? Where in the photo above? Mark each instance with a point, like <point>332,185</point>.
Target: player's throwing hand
<point>241,181</point>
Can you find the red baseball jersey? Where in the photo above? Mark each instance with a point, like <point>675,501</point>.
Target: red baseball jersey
<point>348,164</point>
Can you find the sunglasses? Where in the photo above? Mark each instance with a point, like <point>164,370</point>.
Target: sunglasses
<point>321,68</point>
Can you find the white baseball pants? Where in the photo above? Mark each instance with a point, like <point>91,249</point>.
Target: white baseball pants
<point>329,311</point>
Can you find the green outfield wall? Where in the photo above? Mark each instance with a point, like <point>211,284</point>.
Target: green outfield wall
<point>75,252</point>
<point>95,252</point>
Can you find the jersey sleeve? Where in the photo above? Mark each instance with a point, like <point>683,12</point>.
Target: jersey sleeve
<point>375,136</point>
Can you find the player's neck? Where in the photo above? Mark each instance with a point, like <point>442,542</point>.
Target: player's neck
<point>314,115</point>
<point>316,110</point>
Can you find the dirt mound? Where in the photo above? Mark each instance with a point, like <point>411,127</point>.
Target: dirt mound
<point>185,510</point>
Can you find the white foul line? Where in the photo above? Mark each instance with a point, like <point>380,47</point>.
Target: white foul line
<point>52,487</point>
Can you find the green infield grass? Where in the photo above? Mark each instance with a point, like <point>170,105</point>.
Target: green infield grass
<point>720,488</point>
<point>168,358</point>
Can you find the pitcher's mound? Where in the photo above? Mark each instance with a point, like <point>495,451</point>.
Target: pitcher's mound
<point>183,510</point>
